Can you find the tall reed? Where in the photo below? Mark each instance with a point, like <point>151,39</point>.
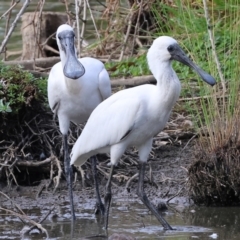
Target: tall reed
<point>215,111</point>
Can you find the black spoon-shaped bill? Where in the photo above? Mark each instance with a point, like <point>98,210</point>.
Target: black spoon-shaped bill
<point>73,68</point>
<point>179,55</point>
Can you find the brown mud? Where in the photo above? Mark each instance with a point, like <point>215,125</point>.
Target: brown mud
<point>168,183</point>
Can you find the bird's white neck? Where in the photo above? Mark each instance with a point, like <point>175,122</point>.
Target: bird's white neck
<point>164,73</point>
<point>72,85</point>
<point>168,84</point>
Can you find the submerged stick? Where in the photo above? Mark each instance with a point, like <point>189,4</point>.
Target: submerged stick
<point>28,219</point>
<point>15,204</point>
<point>31,228</point>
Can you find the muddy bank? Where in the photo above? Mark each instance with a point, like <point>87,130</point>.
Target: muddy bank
<point>168,180</point>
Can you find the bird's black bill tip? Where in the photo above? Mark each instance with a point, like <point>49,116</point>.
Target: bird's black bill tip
<point>179,55</point>
<point>206,77</point>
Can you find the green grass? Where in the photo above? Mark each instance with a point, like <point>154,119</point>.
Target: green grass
<point>131,67</point>
<point>213,178</point>
<point>187,24</point>
<point>215,111</point>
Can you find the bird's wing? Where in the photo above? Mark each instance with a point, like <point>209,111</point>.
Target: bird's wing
<point>54,86</point>
<point>104,84</point>
<point>109,123</point>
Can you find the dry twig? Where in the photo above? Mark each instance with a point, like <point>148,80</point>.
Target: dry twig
<point>77,5</point>
<point>4,42</point>
<point>58,177</point>
<point>10,9</point>
<point>31,228</point>
<point>130,180</point>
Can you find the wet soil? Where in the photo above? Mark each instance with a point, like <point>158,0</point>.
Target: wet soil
<point>169,165</point>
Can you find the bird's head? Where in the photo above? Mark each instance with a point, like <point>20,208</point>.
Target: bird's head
<point>166,49</point>
<point>65,39</point>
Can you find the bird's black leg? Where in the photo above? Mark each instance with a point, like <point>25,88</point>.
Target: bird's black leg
<point>69,175</point>
<point>144,198</point>
<point>108,197</point>
<point>99,205</point>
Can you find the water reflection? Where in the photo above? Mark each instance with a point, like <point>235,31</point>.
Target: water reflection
<point>224,220</point>
<point>133,219</point>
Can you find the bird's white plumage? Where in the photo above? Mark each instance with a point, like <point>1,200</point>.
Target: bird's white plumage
<point>140,112</point>
<point>75,88</point>
<point>76,99</point>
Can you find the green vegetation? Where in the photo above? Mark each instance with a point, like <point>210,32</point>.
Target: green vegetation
<point>19,88</point>
<point>214,177</point>
<point>131,67</point>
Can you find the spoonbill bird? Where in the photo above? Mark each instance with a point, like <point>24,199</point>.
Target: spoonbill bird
<point>132,117</point>
<point>75,88</point>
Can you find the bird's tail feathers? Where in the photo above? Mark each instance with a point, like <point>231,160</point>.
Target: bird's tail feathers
<point>80,160</point>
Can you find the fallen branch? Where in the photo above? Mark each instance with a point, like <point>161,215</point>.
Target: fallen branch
<point>135,81</point>
<point>130,180</point>
<point>15,204</point>
<point>34,163</point>
<point>39,62</point>
<point>43,63</point>
<point>25,217</point>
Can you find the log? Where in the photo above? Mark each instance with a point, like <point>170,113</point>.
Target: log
<point>43,63</point>
<point>35,34</point>
<point>49,62</point>
<point>134,81</point>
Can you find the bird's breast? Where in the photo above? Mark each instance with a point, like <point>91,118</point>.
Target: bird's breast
<point>73,86</point>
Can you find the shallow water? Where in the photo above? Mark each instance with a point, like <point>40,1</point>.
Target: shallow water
<point>131,218</point>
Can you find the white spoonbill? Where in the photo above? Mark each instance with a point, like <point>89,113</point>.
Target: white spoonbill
<point>132,117</point>
<point>75,88</point>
